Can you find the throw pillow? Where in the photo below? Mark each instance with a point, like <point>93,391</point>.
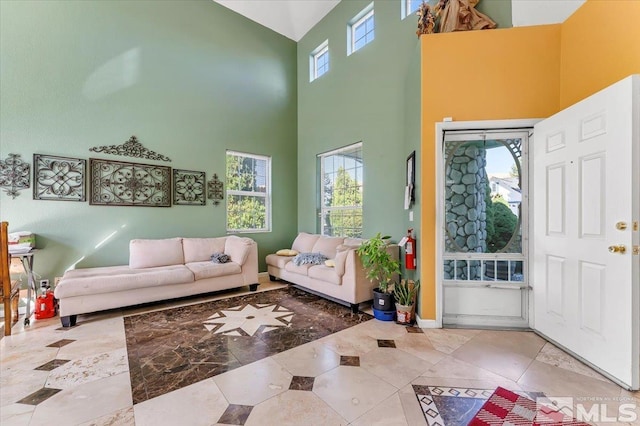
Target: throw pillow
<point>309,259</point>
<point>286,252</point>
<point>331,263</point>
<point>219,258</point>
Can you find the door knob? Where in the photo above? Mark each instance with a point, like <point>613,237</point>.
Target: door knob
<point>620,248</point>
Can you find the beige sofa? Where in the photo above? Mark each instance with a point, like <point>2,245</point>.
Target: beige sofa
<point>158,270</point>
<point>346,282</point>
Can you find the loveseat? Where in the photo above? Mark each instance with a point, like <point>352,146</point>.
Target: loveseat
<point>158,270</point>
<point>344,282</point>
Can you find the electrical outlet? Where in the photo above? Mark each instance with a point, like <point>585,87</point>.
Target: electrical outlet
<point>44,283</point>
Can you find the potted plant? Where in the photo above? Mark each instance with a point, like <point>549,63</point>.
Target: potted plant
<point>381,268</point>
<point>404,294</point>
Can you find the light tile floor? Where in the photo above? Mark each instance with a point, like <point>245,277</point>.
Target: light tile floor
<point>351,377</point>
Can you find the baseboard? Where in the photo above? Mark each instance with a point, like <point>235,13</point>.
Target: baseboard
<point>424,323</point>
<point>263,277</point>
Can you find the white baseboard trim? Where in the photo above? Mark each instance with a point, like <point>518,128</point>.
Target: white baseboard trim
<point>424,323</point>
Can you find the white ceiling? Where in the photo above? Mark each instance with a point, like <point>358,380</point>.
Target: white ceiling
<point>294,18</point>
<point>291,18</point>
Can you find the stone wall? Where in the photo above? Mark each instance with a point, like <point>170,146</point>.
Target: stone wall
<point>465,204</point>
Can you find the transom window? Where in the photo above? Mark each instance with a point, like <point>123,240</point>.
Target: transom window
<point>361,30</point>
<point>248,192</point>
<point>341,185</point>
<point>409,7</point>
<point>319,61</point>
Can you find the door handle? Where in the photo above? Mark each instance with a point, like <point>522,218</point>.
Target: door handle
<point>620,248</point>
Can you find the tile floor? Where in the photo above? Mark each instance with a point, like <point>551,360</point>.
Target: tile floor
<point>368,374</point>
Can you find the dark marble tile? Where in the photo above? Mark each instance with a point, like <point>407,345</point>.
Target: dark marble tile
<point>411,329</point>
<point>52,364</point>
<point>302,383</point>
<point>38,396</point>
<point>350,361</point>
<point>60,343</point>
<point>386,343</point>
<point>421,390</point>
<point>235,414</point>
<point>458,411</point>
<point>172,348</point>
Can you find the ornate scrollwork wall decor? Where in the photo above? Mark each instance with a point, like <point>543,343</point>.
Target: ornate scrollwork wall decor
<point>131,148</point>
<point>58,178</point>
<point>188,188</point>
<point>14,175</point>
<point>116,183</point>
<point>215,190</point>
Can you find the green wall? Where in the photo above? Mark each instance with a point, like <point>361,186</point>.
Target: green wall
<point>188,78</point>
<point>361,98</point>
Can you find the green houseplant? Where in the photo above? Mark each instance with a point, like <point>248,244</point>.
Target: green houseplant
<point>381,268</point>
<point>405,295</point>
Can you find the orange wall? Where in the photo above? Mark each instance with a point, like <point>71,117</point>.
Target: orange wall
<point>524,72</point>
<point>479,75</point>
<point>600,45</point>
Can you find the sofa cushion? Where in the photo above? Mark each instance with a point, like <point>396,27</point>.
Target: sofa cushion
<point>154,253</point>
<point>353,241</point>
<point>278,261</point>
<point>238,248</point>
<point>324,273</point>
<point>118,279</point>
<point>302,269</point>
<point>209,269</point>
<point>304,242</point>
<point>286,252</point>
<point>201,249</point>
<point>327,246</point>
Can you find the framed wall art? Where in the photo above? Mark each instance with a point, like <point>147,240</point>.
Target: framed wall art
<point>118,183</point>
<point>59,178</point>
<point>410,189</point>
<point>15,175</point>
<point>189,188</point>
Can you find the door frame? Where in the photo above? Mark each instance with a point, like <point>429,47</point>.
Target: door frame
<point>475,126</point>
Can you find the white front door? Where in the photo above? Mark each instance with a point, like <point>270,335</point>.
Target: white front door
<point>586,193</point>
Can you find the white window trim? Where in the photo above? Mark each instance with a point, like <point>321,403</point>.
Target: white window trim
<point>321,156</point>
<point>405,9</point>
<point>266,195</point>
<point>358,20</point>
<point>313,60</point>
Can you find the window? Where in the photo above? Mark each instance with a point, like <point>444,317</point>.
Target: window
<point>248,192</point>
<point>360,30</point>
<point>319,61</point>
<point>410,7</point>
<point>341,184</point>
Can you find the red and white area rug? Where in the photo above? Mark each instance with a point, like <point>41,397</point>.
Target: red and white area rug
<point>507,408</point>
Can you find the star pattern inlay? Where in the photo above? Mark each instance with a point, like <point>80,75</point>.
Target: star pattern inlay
<point>249,319</point>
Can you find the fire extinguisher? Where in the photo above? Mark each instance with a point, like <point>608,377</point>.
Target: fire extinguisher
<point>410,251</point>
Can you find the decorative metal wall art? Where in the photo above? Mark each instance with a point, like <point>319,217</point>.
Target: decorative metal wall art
<point>131,148</point>
<point>188,188</point>
<point>215,190</point>
<point>116,183</point>
<point>58,178</point>
<point>14,175</point>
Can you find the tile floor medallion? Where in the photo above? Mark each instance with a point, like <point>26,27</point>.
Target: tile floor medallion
<point>455,406</point>
<point>173,348</point>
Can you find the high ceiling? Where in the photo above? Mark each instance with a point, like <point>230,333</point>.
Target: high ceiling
<point>294,18</point>
<point>291,18</point>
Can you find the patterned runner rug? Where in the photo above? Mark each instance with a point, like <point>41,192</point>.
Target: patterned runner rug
<point>507,408</point>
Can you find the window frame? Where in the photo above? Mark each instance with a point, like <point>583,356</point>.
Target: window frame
<point>355,23</point>
<point>405,9</point>
<point>313,60</point>
<point>266,195</point>
<point>322,208</point>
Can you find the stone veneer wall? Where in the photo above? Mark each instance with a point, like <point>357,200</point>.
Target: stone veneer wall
<point>465,204</point>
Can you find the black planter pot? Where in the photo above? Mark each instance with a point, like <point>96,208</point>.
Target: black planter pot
<point>383,301</point>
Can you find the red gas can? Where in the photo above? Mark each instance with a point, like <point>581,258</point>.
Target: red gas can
<point>45,306</point>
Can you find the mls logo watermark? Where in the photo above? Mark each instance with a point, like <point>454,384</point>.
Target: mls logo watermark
<point>587,409</point>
